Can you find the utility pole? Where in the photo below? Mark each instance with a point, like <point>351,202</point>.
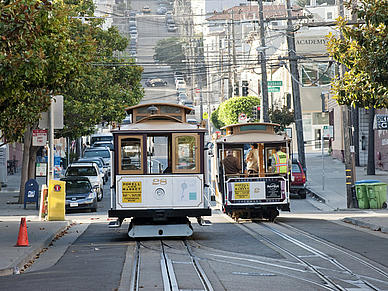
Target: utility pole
<point>263,62</point>
<point>230,81</point>
<point>295,86</point>
<point>234,58</point>
<point>348,150</point>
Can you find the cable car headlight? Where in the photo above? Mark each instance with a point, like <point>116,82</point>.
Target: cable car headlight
<point>159,193</point>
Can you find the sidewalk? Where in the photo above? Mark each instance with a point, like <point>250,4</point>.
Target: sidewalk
<point>326,184</point>
<point>40,233</point>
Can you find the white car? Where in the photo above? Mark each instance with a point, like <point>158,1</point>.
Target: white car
<point>91,171</point>
<point>180,84</point>
<point>102,152</point>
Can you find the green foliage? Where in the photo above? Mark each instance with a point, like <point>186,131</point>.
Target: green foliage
<point>282,116</point>
<point>104,90</point>
<point>38,56</point>
<point>170,52</point>
<point>229,111</point>
<point>214,119</point>
<point>364,52</point>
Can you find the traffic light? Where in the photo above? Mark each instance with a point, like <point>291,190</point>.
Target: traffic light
<point>236,89</point>
<point>258,112</point>
<point>245,88</point>
<point>254,113</point>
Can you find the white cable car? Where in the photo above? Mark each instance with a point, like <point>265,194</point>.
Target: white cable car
<point>158,172</point>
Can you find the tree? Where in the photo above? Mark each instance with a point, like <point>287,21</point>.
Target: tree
<point>282,116</point>
<point>362,50</point>
<point>228,112</point>
<point>37,56</point>
<point>104,90</point>
<point>170,52</point>
<point>60,49</point>
<point>214,119</point>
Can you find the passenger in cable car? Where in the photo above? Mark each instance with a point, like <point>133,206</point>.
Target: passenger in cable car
<point>280,161</point>
<point>252,159</point>
<point>231,164</point>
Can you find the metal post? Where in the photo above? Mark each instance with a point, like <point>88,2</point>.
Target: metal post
<point>323,165</point>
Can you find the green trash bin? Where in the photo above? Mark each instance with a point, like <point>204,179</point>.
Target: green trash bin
<point>377,194</point>
<point>362,198</point>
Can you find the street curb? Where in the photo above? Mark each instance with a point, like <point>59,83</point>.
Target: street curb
<point>361,223</point>
<point>19,264</point>
<point>315,195</point>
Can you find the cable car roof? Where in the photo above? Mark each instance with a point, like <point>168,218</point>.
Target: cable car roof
<point>251,132</point>
<point>252,137</point>
<point>153,124</point>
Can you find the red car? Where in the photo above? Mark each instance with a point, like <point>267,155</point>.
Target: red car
<point>298,179</point>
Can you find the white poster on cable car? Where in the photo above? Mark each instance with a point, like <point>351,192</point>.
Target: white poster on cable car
<point>160,192</point>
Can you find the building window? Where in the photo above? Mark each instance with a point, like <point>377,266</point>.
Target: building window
<point>329,15</point>
<point>318,74</point>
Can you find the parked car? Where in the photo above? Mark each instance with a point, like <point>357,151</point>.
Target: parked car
<point>146,9</point>
<point>156,82</point>
<point>298,179</point>
<point>79,194</point>
<point>161,10</point>
<point>91,171</point>
<point>133,34</point>
<point>168,14</point>
<point>179,78</point>
<point>172,28</point>
<point>187,103</point>
<point>102,144</point>
<point>180,84</point>
<point>100,163</point>
<point>180,90</point>
<point>170,21</point>
<point>103,153</point>
<point>182,96</point>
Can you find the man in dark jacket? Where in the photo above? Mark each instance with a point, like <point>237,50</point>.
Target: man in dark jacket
<point>231,163</point>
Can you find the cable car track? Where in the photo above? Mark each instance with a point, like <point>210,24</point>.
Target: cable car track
<point>172,253</point>
<point>330,281</point>
<point>306,258</point>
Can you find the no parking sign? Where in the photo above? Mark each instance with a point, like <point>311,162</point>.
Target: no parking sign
<point>242,118</point>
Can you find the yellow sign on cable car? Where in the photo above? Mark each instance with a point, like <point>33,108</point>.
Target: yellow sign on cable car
<point>131,192</point>
<point>241,191</point>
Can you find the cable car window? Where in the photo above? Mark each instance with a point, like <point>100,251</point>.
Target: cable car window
<point>130,155</point>
<point>157,154</point>
<point>169,109</point>
<point>186,153</point>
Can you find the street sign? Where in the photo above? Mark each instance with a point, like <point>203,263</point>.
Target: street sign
<point>274,83</point>
<point>41,169</point>
<point>39,137</point>
<point>242,118</point>
<point>273,89</point>
<point>328,131</point>
<point>205,115</point>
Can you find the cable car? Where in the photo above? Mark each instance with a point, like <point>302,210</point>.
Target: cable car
<point>257,195</point>
<point>158,171</point>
